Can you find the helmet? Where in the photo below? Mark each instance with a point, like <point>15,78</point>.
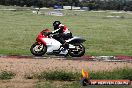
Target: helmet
<point>56,24</point>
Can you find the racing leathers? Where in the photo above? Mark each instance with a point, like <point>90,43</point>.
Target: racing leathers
<point>62,34</point>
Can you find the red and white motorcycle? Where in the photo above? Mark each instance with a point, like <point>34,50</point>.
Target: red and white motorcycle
<point>47,44</point>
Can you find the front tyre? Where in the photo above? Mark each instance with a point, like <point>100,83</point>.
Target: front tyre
<point>38,49</point>
<point>78,51</point>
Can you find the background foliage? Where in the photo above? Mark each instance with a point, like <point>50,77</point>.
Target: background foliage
<point>92,4</point>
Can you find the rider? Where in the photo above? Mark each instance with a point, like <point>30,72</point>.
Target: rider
<point>62,32</point>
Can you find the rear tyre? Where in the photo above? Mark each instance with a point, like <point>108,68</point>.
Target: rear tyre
<point>78,51</point>
<point>38,49</point>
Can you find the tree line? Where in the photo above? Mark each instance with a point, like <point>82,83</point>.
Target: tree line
<point>92,4</point>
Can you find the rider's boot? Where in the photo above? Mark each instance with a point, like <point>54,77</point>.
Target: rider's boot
<point>65,45</point>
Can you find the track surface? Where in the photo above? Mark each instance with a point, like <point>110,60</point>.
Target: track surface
<point>86,58</point>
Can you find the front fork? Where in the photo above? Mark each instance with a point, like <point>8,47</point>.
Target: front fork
<point>39,43</point>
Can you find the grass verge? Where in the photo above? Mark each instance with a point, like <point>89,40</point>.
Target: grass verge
<point>5,75</point>
<point>59,75</point>
<point>60,79</point>
<point>125,73</point>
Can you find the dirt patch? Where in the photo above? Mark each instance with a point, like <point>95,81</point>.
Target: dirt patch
<point>21,83</point>
<point>26,66</point>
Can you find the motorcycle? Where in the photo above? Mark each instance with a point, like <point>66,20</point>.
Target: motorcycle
<point>46,44</point>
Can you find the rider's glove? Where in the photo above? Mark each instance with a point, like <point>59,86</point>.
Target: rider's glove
<point>49,33</point>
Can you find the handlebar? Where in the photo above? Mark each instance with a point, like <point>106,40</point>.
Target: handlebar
<point>52,35</point>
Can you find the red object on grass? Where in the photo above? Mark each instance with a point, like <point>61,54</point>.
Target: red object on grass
<point>87,57</point>
<point>121,57</point>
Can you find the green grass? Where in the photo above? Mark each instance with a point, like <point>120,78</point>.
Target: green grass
<point>105,36</point>
<point>125,73</point>
<point>5,75</point>
<point>60,79</point>
<point>60,75</point>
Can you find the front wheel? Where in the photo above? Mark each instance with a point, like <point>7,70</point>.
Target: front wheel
<point>38,49</point>
<point>78,51</point>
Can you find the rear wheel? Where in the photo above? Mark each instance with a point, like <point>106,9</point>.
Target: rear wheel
<point>78,51</point>
<point>38,49</point>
